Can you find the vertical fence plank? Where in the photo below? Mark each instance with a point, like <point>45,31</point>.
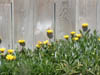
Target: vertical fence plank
<point>87,13</point>
<point>65,17</point>
<point>44,19</point>
<point>23,29</point>
<point>5,25</point>
<point>98,16</point>
<point>91,13</point>
<point>5,1</point>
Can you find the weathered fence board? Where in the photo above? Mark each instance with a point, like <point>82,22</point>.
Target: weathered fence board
<point>5,25</point>
<point>86,13</point>
<point>65,17</point>
<point>5,1</point>
<point>31,18</point>
<point>44,19</point>
<point>98,16</point>
<point>23,22</point>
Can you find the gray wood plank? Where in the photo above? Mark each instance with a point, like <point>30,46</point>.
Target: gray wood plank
<point>23,22</point>
<point>5,1</point>
<point>65,17</point>
<point>87,14</point>
<point>5,25</point>
<point>43,18</point>
<point>98,16</point>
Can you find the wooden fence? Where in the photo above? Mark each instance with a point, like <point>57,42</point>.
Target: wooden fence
<point>29,19</point>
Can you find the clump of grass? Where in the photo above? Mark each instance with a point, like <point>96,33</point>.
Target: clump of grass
<point>74,55</point>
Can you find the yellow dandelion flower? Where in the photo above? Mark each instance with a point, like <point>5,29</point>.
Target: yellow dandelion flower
<point>66,36</point>
<point>14,57</point>
<point>38,46</point>
<point>9,57</point>
<point>99,39</point>
<point>49,31</point>
<point>39,42</point>
<point>10,51</point>
<point>21,41</point>
<point>72,33</point>
<point>49,44</point>
<point>75,38</point>
<point>2,49</point>
<point>79,35</point>
<point>46,42</point>
<point>85,25</point>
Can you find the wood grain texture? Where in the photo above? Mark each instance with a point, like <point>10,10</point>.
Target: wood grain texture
<point>23,19</point>
<point>43,18</point>
<point>65,17</point>
<point>87,14</point>
<point>5,25</point>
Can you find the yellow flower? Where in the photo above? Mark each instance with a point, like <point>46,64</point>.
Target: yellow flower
<point>79,35</point>
<point>99,39</point>
<point>2,49</point>
<point>75,38</point>
<point>10,51</point>
<point>38,46</point>
<point>9,57</point>
<point>14,57</point>
<point>66,36</point>
<point>49,44</point>
<point>49,31</point>
<point>21,41</point>
<point>85,25</point>
<point>39,42</point>
<point>72,33</point>
<point>46,42</point>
